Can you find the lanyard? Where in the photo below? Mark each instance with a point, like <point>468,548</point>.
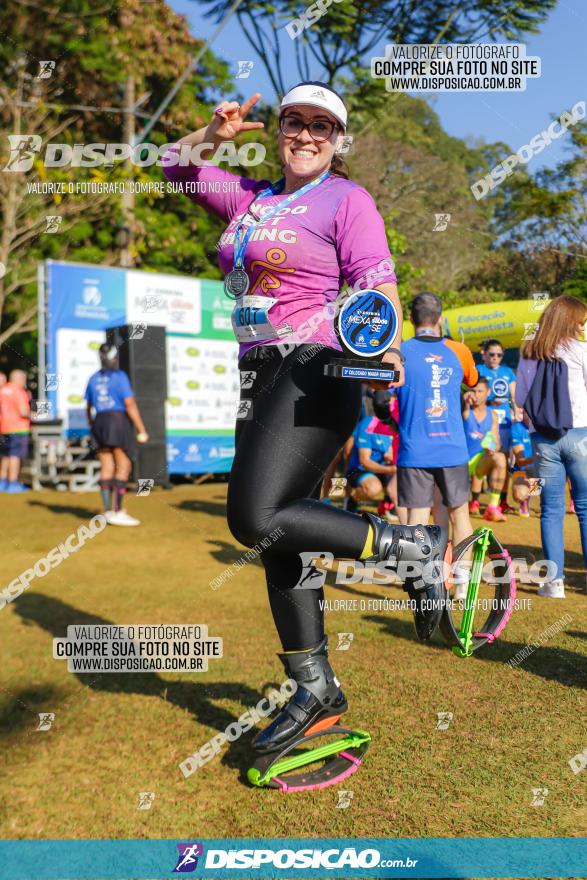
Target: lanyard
<point>241,237</point>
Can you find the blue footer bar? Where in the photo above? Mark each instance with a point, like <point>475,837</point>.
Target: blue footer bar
<point>542,857</point>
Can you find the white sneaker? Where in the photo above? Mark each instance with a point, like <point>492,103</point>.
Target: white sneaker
<point>460,579</point>
<point>461,574</point>
<point>552,589</point>
<point>108,514</point>
<point>391,517</point>
<point>460,592</point>
<point>122,518</point>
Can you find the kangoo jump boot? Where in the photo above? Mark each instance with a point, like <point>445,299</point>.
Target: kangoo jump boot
<point>317,703</point>
<point>425,548</point>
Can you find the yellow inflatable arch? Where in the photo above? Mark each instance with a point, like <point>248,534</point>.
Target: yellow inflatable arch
<point>506,321</point>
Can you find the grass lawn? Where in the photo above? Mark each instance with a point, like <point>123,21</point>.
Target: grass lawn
<point>117,735</point>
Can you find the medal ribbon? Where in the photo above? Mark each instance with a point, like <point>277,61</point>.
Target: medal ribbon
<point>241,237</point>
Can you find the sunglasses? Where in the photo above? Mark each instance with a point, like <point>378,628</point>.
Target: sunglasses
<point>319,129</point>
<point>494,354</point>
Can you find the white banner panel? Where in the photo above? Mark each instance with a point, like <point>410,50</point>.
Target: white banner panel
<point>170,301</point>
<point>203,384</point>
<point>77,359</point>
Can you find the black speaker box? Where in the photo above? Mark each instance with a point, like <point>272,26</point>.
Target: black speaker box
<point>153,415</point>
<point>151,463</point>
<point>142,356</point>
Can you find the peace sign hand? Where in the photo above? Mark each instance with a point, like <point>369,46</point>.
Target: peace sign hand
<point>229,119</point>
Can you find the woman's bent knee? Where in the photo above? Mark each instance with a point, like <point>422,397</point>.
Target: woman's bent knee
<point>247,527</point>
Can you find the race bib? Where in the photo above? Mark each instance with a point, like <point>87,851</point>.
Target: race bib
<point>250,318</point>
<point>503,414</point>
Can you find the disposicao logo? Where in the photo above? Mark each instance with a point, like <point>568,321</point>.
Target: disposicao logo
<point>187,860</point>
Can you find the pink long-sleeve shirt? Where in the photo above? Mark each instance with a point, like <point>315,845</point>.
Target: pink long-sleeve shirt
<point>301,257</point>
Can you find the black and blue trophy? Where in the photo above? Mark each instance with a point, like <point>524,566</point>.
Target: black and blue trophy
<point>366,327</point>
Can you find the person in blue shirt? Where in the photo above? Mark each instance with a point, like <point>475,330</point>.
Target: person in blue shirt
<point>522,482</point>
<point>113,415</point>
<point>433,446</point>
<point>502,390</point>
<point>483,441</point>
<point>371,469</point>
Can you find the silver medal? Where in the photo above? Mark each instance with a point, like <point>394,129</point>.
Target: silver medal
<point>236,283</point>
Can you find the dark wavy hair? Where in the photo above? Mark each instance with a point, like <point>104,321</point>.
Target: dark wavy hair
<point>489,343</point>
<point>337,166</point>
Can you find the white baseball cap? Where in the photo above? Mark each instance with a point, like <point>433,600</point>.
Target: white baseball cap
<point>316,94</point>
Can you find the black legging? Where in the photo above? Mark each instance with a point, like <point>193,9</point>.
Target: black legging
<point>298,421</point>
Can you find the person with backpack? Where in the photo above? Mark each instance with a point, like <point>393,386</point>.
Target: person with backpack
<point>551,386</point>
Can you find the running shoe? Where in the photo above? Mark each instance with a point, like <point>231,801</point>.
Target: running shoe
<point>122,518</point>
<point>3,485</point>
<point>460,592</point>
<point>552,589</point>
<point>460,579</point>
<point>385,510</point>
<point>493,513</point>
<point>108,514</point>
<point>475,508</point>
<point>460,574</point>
<point>505,508</point>
<point>15,489</point>
<point>524,509</point>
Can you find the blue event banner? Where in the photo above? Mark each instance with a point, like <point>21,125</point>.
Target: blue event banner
<point>188,455</point>
<point>83,300</point>
<point>497,857</point>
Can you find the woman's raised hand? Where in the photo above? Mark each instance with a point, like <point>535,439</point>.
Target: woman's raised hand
<point>229,118</point>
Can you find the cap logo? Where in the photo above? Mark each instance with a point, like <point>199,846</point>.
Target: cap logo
<point>306,93</point>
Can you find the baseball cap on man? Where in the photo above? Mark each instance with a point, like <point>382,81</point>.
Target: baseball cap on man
<point>316,94</point>
<point>108,355</point>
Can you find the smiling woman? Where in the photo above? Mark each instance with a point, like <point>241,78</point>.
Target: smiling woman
<point>309,135</point>
<point>284,265</point>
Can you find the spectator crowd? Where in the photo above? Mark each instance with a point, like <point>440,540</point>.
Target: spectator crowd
<point>454,428</point>
<point>431,447</point>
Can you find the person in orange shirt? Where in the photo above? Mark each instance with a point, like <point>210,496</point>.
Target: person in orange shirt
<point>15,425</point>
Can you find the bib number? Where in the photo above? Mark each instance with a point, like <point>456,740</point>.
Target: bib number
<point>250,315</point>
<point>250,318</point>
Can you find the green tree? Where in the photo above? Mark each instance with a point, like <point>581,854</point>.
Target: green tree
<point>541,227</point>
<point>415,172</point>
<point>95,49</point>
<point>352,29</point>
